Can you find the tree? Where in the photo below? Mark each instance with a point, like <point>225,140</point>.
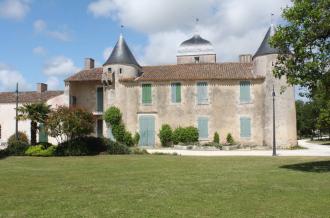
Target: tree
<point>306,35</point>
<point>66,124</point>
<point>36,113</point>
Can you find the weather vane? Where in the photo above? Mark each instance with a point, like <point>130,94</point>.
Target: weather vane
<point>272,18</point>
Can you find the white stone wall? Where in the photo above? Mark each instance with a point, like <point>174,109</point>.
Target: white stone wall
<point>8,114</point>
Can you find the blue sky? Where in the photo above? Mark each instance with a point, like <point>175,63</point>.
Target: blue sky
<point>47,40</point>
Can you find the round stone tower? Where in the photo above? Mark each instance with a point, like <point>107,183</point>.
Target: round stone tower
<point>122,63</point>
<point>285,111</point>
<point>121,68</point>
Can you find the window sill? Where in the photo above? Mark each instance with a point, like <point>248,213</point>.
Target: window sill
<point>203,139</point>
<point>203,103</point>
<point>246,103</point>
<point>146,104</point>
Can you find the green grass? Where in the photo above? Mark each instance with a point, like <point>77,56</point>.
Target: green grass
<point>164,186</point>
<point>321,142</point>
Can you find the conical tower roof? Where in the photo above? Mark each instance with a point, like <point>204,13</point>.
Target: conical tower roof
<point>121,54</point>
<point>265,48</point>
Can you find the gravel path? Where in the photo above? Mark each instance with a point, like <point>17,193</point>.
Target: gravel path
<point>312,150</point>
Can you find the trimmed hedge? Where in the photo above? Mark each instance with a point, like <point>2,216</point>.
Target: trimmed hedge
<point>216,138</point>
<point>185,135</point>
<point>116,148</point>
<point>230,139</point>
<point>81,146</point>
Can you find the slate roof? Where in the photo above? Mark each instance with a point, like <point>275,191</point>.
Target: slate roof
<point>207,71</point>
<point>28,97</point>
<point>121,54</point>
<point>265,47</point>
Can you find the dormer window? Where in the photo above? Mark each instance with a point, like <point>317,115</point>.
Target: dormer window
<point>196,60</point>
<point>109,70</point>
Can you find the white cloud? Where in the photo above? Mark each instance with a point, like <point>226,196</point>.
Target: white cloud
<point>106,53</point>
<point>39,50</point>
<point>233,26</point>
<point>9,77</point>
<point>53,83</point>
<point>40,26</point>
<point>14,9</point>
<point>101,8</point>
<point>59,65</point>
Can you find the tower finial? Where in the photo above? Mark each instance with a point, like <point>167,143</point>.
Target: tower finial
<point>272,19</point>
<point>196,25</point>
<point>122,29</point>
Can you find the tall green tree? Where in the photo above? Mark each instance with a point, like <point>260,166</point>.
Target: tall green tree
<point>36,113</point>
<point>306,34</point>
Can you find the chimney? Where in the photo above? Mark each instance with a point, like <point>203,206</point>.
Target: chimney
<point>89,63</point>
<point>41,87</point>
<point>245,58</point>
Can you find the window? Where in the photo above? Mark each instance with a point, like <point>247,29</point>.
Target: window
<point>109,70</point>
<point>99,99</point>
<point>146,94</point>
<point>245,123</point>
<point>203,127</point>
<point>245,96</point>
<point>176,92</point>
<point>202,93</point>
<point>120,70</point>
<point>196,60</point>
<point>73,100</point>
<point>99,128</point>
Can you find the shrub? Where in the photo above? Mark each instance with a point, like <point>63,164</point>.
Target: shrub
<point>82,146</point>
<point>118,132</point>
<point>69,123</point>
<point>191,134</point>
<point>116,148</point>
<point>137,150</point>
<point>113,116</point>
<point>17,147</point>
<point>40,151</point>
<point>3,153</point>
<point>136,138</point>
<point>21,137</point>
<point>216,138</point>
<point>128,139</point>
<point>230,139</point>
<point>178,135</point>
<point>45,144</point>
<point>165,135</point>
<point>185,135</point>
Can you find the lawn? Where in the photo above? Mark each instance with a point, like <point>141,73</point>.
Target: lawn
<point>164,186</point>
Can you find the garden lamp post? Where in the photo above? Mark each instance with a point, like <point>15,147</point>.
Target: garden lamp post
<point>16,129</point>
<point>274,133</point>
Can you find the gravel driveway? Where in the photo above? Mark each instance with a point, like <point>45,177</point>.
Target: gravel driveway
<point>312,150</point>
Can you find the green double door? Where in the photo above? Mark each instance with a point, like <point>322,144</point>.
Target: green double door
<point>147,130</point>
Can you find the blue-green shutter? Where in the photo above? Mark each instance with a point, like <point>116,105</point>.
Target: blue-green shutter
<point>245,91</point>
<point>146,94</point>
<point>245,127</point>
<point>202,93</point>
<point>176,92</point>
<point>203,127</point>
<point>147,131</point>
<point>43,136</point>
<point>99,95</point>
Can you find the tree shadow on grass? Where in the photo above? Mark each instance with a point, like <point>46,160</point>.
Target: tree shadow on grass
<point>313,167</point>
